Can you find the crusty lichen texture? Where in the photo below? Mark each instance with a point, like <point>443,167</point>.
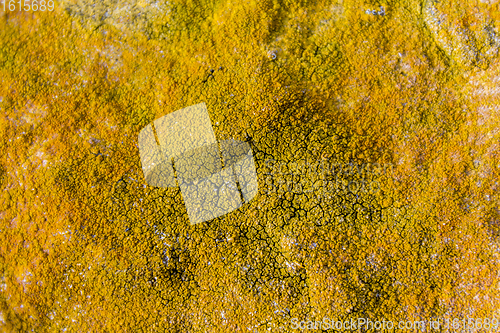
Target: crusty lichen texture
<point>408,88</point>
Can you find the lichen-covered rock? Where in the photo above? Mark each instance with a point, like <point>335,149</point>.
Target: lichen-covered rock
<point>466,31</point>
<point>376,159</point>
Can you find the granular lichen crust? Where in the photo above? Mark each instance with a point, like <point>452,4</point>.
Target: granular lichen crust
<point>374,138</point>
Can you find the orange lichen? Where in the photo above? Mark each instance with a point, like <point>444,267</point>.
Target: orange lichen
<point>87,245</point>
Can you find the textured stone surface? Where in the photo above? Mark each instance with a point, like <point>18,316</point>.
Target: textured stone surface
<point>87,245</point>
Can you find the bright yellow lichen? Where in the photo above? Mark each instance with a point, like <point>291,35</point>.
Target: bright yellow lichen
<point>87,245</point>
